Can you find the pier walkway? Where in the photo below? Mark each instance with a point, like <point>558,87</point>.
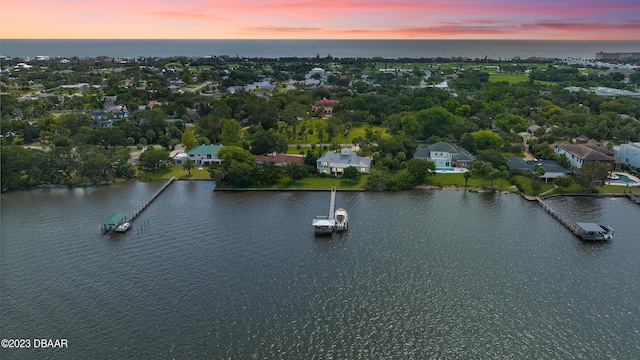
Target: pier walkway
<point>633,197</point>
<point>332,204</point>
<point>122,222</point>
<point>326,224</point>
<point>564,221</point>
<point>155,195</point>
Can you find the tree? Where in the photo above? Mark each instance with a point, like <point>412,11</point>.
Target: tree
<point>350,173</point>
<point>188,165</point>
<point>564,161</point>
<point>231,133</point>
<point>295,171</point>
<point>537,172</point>
<point>231,154</point>
<point>563,182</point>
<point>152,160</point>
<point>491,156</point>
<point>590,175</point>
<point>268,141</point>
<point>216,173</point>
<point>436,122</point>
<point>466,177</point>
<point>419,169</point>
<point>486,140</point>
<point>270,173</point>
<point>486,168</point>
<point>189,139</point>
<point>240,174</point>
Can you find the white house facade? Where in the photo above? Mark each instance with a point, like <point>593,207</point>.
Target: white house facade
<point>334,163</point>
<point>630,154</point>
<point>205,154</point>
<point>445,155</point>
<point>581,154</point>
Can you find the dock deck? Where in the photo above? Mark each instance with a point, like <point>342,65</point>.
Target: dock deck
<point>113,222</point>
<point>585,231</point>
<point>326,224</point>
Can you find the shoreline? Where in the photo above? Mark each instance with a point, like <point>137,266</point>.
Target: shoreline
<point>473,189</point>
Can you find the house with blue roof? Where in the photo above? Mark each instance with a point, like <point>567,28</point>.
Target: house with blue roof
<point>205,154</point>
<point>334,163</point>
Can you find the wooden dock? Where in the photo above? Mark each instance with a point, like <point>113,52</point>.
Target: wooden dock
<point>326,224</point>
<point>556,215</point>
<point>332,204</point>
<point>116,220</point>
<point>155,195</point>
<point>633,197</point>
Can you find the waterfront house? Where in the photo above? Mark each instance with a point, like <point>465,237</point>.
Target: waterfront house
<point>279,159</point>
<point>581,154</point>
<point>552,169</point>
<point>334,163</point>
<point>445,155</point>
<point>205,154</point>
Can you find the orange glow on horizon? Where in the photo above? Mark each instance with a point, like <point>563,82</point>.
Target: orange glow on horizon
<point>330,19</point>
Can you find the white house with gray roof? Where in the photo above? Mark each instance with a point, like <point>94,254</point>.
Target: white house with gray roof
<point>334,163</point>
<point>445,155</point>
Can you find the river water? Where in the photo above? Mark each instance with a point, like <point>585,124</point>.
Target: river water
<point>420,274</point>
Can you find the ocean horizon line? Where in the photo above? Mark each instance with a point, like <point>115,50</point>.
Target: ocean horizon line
<point>305,48</point>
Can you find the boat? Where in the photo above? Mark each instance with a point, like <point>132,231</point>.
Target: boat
<point>113,222</point>
<point>342,219</point>
<point>123,227</point>
<point>594,232</point>
<point>323,225</point>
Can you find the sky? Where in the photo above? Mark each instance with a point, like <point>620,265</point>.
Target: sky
<point>326,19</point>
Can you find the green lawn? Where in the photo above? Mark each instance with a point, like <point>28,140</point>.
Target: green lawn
<point>358,130</point>
<point>440,179</point>
<point>510,78</point>
<point>322,183</point>
<point>175,171</point>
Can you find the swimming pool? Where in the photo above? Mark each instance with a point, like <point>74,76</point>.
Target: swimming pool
<point>622,179</point>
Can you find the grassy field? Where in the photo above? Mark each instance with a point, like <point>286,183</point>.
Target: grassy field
<point>358,130</point>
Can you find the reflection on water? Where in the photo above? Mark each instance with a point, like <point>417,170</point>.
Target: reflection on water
<point>419,274</point>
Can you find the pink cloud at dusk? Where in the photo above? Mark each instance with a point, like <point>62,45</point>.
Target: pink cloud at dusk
<point>329,19</point>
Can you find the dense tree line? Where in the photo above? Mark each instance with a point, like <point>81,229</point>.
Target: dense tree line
<point>63,166</point>
<point>483,117</point>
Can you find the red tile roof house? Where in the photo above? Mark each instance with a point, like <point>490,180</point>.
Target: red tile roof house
<point>279,159</point>
<point>581,154</point>
<point>325,104</point>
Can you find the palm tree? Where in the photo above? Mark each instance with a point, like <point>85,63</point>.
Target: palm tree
<point>188,165</point>
<point>466,176</point>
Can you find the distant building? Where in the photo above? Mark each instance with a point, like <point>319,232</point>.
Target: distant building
<point>325,104</point>
<point>630,154</point>
<point>334,163</point>
<point>618,56</point>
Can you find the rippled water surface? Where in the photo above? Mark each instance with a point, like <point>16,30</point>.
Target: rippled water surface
<point>421,274</point>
